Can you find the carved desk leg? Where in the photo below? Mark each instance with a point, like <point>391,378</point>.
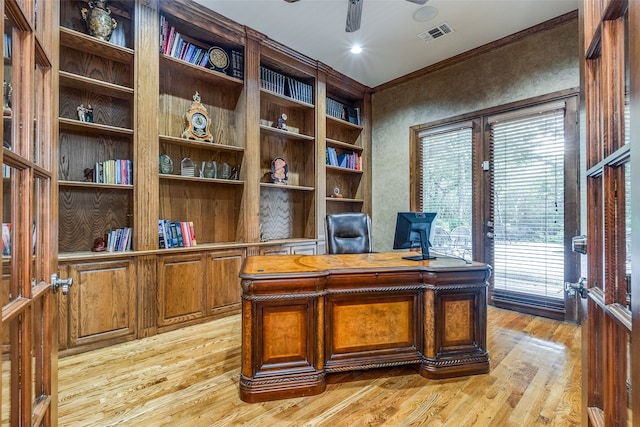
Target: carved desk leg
<point>455,328</point>
<point>279,344</point>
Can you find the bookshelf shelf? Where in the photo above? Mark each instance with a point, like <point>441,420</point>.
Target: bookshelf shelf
<point>343,170</point>
<point>80,41</point>
<point>343,200</point>
<point>285,134</point>
<point>203,73</point>
<point>343,145</point>
<point>94,185</point>
<point>76,82</point>
<point>201,180</point>
<point>75,125</point>
<point>200,145</point>
<point>344,123</point>
<point>268,185</point>
<point>284,101</point>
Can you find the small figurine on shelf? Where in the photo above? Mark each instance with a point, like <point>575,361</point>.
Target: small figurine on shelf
<point>282,122</point>
<point>88,117</point>
<point>99,245</point>
<point>82,111</point>
<point>279,171</point>
<point>89,175</point>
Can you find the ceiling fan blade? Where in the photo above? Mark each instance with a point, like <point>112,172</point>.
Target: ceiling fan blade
<point>412,1</point>
<point>354,15</point>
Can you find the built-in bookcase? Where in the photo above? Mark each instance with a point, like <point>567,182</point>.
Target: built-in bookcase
<point>287,210</point>
<point>140,92</point>
<point>99,75</point>
<point>345,182</point>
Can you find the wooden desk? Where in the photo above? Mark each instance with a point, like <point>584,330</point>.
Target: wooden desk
<point>304,317</point>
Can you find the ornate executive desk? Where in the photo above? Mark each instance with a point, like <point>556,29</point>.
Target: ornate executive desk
<point>307,316</point>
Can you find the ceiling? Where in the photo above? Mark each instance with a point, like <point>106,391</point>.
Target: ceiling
<point>388,34</point>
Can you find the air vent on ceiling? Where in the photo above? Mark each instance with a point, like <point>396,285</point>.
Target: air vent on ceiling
<point>436,32</point>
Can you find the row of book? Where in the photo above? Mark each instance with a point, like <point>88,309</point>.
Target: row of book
<point>174,234</point>
<point>344,160</point>
<point>119,239</point>
<point>179,46</point>
<point>272,81</point>
<point>285,86</point>
<point>344,112</point>
<point>115,171</point>
<point>300,91</point>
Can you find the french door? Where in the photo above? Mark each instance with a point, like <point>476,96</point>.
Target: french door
<point>29,344</point>
<point>533,210</point>
<point>505,187</point>
<point>611,325</point>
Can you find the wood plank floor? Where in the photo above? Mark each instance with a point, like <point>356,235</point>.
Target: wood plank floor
<point>190,378</point>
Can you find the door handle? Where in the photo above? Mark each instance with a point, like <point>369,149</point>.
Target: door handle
<point>571,288</point>
<point>57,282</point>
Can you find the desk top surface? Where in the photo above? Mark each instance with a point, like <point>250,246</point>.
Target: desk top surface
<point>268,265</point>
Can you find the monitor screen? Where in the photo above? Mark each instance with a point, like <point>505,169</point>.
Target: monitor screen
<point>413,230</point>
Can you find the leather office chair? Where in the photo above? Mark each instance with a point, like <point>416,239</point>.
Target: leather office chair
<point>349,233</point>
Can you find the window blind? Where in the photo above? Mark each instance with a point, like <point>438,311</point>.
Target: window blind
<point>447,188</point>
<point>528,208</point>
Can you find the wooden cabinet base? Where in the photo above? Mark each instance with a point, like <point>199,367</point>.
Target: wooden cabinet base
<point>253,390</point>
<point>305,317</point>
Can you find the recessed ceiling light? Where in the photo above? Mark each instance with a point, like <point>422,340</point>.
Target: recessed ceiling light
<point>425,13</point>
<point>356,49</point>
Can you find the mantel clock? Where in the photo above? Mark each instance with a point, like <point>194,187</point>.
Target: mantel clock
<point>197,122</point>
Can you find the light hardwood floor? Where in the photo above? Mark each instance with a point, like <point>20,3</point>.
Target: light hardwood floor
<point>190,378</point>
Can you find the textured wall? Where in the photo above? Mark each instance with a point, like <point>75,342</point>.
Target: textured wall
<point>540,64</point>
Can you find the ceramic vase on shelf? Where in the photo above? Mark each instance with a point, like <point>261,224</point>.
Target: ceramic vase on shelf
<point>98,19</point>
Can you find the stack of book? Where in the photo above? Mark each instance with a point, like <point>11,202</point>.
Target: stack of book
<point>174,234</point>
<point>114,172</point>
<point>343,160</point>
<point>344,112</point>
<point>272,80</point>
<point>334,108</point>
<point>177,45</point>
<point>237,64</point>
<point>118,239</point>
<point>300,91</point>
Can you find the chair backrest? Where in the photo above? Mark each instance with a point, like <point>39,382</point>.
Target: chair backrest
<point>349,233</point>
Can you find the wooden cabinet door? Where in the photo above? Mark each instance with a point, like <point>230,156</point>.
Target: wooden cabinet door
<point>102,302</point>
<point>181,296</point>
<point>29,357</point>
<point>223,281</point>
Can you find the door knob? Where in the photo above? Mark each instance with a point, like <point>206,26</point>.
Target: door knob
<point>57,282</point>
<point>579,287</point>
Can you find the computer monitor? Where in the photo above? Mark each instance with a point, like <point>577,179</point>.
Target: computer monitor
<point>413,229</point>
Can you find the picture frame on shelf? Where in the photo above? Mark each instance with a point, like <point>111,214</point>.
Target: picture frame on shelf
<point>279,171</point>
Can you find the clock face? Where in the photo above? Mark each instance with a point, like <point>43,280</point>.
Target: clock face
<point>199,121</point>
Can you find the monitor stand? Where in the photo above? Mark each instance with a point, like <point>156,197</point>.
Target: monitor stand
<point>418,257</point>
<point>424,247</point>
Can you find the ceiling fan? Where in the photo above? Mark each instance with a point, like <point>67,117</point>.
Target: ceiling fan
<point>354,13</point>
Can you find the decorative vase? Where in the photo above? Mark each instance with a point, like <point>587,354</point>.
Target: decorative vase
<point>98,19</point>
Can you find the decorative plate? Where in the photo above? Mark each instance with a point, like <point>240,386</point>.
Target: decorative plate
<point>218,58</point>
<point>166,164</point>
